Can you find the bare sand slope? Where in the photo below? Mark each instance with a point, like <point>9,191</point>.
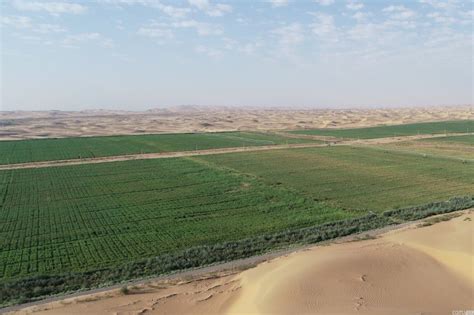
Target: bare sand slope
<point>422,271</point>
<point>425,270</point>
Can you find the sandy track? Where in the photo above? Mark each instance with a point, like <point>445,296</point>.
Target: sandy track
<point>165,155</point>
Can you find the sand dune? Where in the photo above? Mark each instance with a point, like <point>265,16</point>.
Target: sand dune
<point>377,277</point>
<point>426,270</point>
<point>43,124</point>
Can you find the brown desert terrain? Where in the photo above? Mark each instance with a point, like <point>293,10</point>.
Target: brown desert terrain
<point>412,270</point>
<point>43,124</point>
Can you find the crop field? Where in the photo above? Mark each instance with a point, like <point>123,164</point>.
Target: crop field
<point>461,126</point>
<point>357,178</point>
<point>456,147</point>
<point>467,140</point>
<point>117,221</point>
<point>84,217</point>
<point>21,151</point>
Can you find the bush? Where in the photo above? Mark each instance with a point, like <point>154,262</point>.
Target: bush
<point>124,290</point>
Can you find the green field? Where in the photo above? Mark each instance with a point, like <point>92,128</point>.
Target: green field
<point>455,147</point>
<point>460,126</point>
<point>21,151</point>
<point>467,140</point>
<point>356,178</point>
<point>85,217</point>
<point>76,227</point>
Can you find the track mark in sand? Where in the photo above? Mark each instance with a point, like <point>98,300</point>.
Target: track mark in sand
<point>360,302</point>
<point>210,296</point>
<point>144,311</point>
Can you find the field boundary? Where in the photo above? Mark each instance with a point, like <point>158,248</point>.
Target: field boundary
<point>160,155</point>
<point>176,154</point>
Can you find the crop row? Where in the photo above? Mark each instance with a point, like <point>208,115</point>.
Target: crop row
<point>357,178</point>
<point>460,126</point>
<point>32,288</point>
<point>76,218</point>
<point>21,151</point>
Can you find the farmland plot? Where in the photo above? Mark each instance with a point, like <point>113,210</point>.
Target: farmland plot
<point>461,126</point>
<point>456,147</point>
<point>85,217</point>
<point>21,151</point>
<point>357,178</point>
<point>465,140</point>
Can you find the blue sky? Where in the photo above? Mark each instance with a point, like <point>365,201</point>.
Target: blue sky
<point>139,54</point>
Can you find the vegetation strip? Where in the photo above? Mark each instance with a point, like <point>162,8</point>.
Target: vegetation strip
<point>441,127</point>
<point>165,155</point>
<point>23,151</point>
<point>148,156</point>
<point>34,288</point>
<point>356,179</point>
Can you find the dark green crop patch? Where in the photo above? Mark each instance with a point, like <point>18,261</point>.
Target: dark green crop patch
<point>461,126</point>
<point>22,151</point>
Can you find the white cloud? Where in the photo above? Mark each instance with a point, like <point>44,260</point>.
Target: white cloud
<point>289,39</point>
<point>174,12</point>
<point>25,23</point>
<point>324,2</point>
<point>324,27</point>
<point>53,8</point>
<point>49,28</point>
<point>218,9</point>
<point>442,18</point>
<point>360,16</point>
<point>203,29</point>
<point>290,34</point>
<point>211,52</point>
<point>77,39</point>
<point>19,22</point>
<point>363,31</point>
<point>119,25</point>
<point>165,30</point>
<point>440,4</point>
<point>171,11</point>
<point>399,12</point>
<point>250,48</point>
<point>278,3</point>
<point>155,31</point>
<point>81,37</point>
<point>354,5</point>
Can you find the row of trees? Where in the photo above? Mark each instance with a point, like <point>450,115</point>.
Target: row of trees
<point>30,289</point>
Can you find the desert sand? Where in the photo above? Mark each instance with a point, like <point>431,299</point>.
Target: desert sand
<point>414,270</point>
<point>43,124</point>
